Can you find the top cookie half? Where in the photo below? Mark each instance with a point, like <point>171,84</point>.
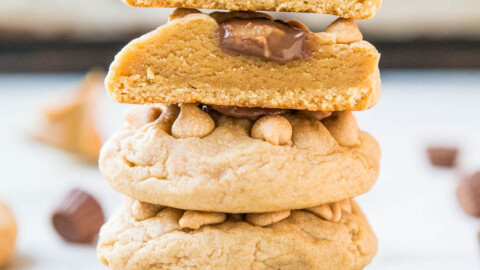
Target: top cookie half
<point>355,9</point>
<point>248,59</point>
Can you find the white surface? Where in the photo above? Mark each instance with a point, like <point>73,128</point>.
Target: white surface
<point>412,209</point>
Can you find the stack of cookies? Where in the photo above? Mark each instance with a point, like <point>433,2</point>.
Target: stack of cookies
<point>246,154</point>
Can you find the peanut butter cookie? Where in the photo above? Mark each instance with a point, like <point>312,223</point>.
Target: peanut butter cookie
<point>300,241</point>
<point>248,59</point>
<point>236,165</point>
<point>356,9</point>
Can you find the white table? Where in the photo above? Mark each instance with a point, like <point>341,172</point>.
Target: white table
<point>412,208</point>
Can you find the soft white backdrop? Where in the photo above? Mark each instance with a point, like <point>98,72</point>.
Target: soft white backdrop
<point>412,208</point>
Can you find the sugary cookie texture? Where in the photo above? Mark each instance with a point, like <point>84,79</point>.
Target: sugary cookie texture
<point>236,165</point>
<point>248,59</point>
<point>356,9</point>
<point>300,241</point>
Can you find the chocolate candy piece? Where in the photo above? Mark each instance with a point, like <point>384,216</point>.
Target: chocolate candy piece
<point>263,38</point>
<point>468,193</point>
<point>251,113</point>
<point>443,156</point>
<point>78,218</point>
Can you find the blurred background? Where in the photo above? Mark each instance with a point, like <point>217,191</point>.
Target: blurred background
<point>67,35</point>
<point>430,94</point>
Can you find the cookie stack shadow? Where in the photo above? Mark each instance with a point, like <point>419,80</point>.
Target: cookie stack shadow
<point>245,154</point>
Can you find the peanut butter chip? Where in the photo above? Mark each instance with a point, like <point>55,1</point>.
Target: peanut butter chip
<point>195,219</point>
<point>346,206</point>
<point>142,210</point>
<point>312,134</point>
<point>346,31</point>
<point>265,219</point>
<point>322,211</point>
<point>336,212</point>
<point>181,12</point>
<point>274,129</point>
<point>168,117</point>
<point>192,122</point>
<point>343,127</point>
<point>139,116</point>
<point>331,211</point>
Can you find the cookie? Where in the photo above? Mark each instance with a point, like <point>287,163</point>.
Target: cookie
<point>356,9</point>
<point>300,241</point>
<point>247,59</point>
<point>8,234</point>
<point>279,162</point>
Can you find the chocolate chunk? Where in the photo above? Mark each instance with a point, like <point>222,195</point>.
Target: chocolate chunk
<point>251,113</point>
<point>78,218</point>
<point>443,156</point>
<point>468,193</point>
<point>263,38</point>
<point>236,217</point>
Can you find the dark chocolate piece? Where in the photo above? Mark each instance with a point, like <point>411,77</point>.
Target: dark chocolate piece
<point>468,193</point>
<point>263,38</point>
<point>251,113</point>
<point>443,156</point>
<point>78,218</point>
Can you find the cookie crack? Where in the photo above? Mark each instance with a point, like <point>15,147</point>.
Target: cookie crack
<point>255,256</point>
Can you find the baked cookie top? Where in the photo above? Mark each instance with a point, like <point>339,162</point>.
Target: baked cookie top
<point>300,241</point>
<point>190,159</point>
<point>355,9</point>
<point>247,59</point>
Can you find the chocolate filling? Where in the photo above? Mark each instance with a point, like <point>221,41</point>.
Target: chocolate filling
<point>251,113</point>
<point>254,113</point>
<point>263,38</point>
